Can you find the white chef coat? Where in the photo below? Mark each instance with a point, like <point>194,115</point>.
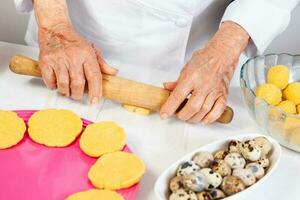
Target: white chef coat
<point>136,35</point>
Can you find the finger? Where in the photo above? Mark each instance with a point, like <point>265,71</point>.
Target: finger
<point>62,76</point>
<point>77,80</point>
<point>48,75</point>
<point>105,68</point>
<point>94,80</point>
<point>193,106</point>
<point>205,108</point>
<point>181,91</point>
<point>170,85</point>
<point>216,111</point>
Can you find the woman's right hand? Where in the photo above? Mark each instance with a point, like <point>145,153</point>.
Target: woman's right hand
<point>69,62</point>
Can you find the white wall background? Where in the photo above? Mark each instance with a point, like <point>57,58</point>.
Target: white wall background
<point>13,25</point>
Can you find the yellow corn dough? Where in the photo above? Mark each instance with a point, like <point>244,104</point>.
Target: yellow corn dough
<point>116,170</point>
<point>94,194</point>
<point>54,128</point>
<point>137,110</point>
<point>12,129</point>
<point>102,137</point>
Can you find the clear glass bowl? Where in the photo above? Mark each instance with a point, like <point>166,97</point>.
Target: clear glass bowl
<point>285,128</point>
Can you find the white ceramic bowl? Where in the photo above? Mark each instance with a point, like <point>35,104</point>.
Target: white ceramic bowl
<point>162,183</point>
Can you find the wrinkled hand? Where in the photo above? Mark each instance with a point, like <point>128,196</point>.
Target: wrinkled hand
<point>69,62</point>
<point>206,78</point>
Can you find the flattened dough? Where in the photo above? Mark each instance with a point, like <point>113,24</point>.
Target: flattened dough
<point>94,194</point>
<point>102,137</point>
<point>138,110</point>
<point>12,129</point>
<point>54,127</point>
<point>116,170</point>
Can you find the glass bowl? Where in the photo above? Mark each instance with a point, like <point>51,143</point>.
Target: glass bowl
<point>285,128</point>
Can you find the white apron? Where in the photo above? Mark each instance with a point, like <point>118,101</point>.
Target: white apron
<point>148,40</point>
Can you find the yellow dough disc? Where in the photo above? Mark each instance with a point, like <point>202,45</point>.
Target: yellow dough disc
<point>94,194</point>
<point>12,129</point>
<point>137,110</point>
<point>102,137</point>
<point>54,128</point>
<point>292,92</point>
<point>116,170</point>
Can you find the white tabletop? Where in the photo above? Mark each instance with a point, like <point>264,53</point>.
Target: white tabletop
<point>158,142</point>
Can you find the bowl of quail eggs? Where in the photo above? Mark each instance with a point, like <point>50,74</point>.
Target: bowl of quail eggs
<point>226,169</point>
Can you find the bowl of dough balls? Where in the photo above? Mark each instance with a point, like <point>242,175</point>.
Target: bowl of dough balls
<point>271,91</point>
<point>226,169</point>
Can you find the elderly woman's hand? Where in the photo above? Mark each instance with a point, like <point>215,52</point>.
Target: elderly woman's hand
<point>207,77</point>
<point>67,61</point>
<point>70,62</point>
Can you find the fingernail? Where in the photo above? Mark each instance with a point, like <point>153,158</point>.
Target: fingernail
<point>95,100</point>
<point>164,116</point>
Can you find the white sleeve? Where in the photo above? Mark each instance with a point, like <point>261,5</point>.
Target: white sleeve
<point>264,20</point>
<point>24,5</point>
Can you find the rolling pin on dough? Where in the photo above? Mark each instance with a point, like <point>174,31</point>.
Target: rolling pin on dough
<point>115,88</point>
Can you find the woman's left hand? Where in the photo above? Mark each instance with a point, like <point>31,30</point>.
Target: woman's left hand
<point>207,77</point>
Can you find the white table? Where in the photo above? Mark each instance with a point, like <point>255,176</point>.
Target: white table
<point>158,142</point>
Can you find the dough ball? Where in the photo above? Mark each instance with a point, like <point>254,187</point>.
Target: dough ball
<point>102,137</point>
<point>270,93</point>
<point>12,129</point>
<point>287,106</point>
<point>295,136</point>
<point>278,75</point>
<point>54,127</point>
<point>116,170</point>
<point>291,92</point>
<point>290,124</point>
<point>137,110</point>
<point>94,194</point>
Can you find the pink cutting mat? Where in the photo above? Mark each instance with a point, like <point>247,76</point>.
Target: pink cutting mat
<point>29,171</point>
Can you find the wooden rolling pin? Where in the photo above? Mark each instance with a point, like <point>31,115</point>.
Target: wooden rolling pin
<point>115,88</point>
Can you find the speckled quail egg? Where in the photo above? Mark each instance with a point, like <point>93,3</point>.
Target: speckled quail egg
<point>221,167</point>
<point>204,196</point>
<point>181,194</point>
<point>195,181</point>
<point>245,175</point>
<point>232,185</point>
<point>220,155</point>
<point>187,168</point>
<point>203,159</point>
<point>250,150</point>
<point>217,194</point>
<point>175,183</point>
<point>234,146</point>
<point>235,160</point>
<point>264,162</point>
<point>256,169</point>
<point>264,144</point>
<point>214,179</point>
